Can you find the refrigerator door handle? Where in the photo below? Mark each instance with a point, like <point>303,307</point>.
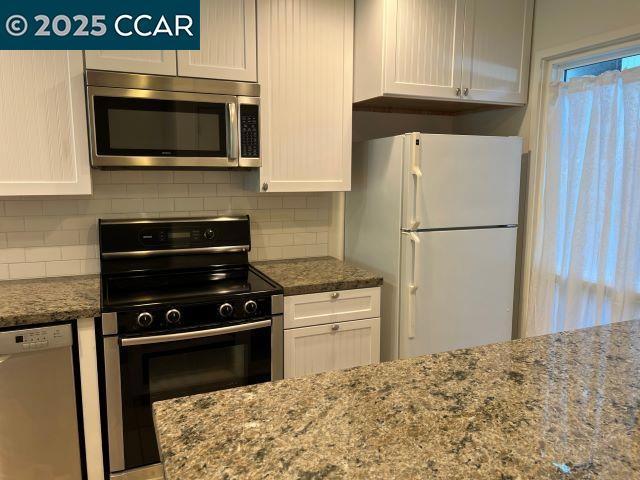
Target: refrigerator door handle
<point>416,172</point>
<point>413,284</point>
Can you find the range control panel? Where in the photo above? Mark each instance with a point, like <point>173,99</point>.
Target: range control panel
<point>28,339</point>
<point>249,131</point>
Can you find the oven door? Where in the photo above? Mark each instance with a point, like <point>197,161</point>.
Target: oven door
<point>167,366</point>
<point>162,129</point>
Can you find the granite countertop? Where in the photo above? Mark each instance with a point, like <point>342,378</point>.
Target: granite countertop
<point>551,407</point>
<point>313,275</point>
<point>48,300</point>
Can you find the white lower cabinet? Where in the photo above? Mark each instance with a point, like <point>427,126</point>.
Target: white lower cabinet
<point>322,348</point>
<point>331,331</point>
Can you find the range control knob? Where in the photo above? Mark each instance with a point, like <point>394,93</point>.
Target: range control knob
<point>225,310</point>
<point>145,319</point>
<point>173,316</point>
<point>209,234</point>
<point>250,307</point>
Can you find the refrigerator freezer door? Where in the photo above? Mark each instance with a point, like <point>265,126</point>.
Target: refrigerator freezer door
<point>460,293</point>
<point>463,181</point>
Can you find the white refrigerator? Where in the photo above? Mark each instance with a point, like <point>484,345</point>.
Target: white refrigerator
<point>437,216</point>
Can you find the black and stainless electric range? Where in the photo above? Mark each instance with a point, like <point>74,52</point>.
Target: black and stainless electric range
<point>183,313</point>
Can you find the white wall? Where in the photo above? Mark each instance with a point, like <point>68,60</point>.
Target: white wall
<point>368,125</point>
<point>57,236</point>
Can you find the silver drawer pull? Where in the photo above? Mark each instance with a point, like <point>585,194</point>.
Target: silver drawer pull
<point>335,295</point>
<point>335,327</point>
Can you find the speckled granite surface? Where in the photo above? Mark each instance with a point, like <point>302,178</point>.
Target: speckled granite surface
<point>47,300</point>
<point>553,407</point>
<point>313,275</point>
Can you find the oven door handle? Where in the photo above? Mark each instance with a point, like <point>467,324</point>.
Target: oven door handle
<point>211,332</point>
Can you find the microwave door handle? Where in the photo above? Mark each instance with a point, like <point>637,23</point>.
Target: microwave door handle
<point>232,130</point>
<point>211,332</point>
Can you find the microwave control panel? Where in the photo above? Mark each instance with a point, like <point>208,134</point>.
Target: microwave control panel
<point>249,131</point>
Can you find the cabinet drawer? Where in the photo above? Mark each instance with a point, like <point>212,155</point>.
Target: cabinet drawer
<point>335,346</point>
<point>331,307</point>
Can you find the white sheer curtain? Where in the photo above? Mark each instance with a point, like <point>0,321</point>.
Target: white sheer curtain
<point>585,268</point>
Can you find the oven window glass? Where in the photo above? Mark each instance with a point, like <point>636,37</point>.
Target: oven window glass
<point>159,128</point>
<point>160,371</point>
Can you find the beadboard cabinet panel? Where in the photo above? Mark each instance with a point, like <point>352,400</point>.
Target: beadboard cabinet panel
<point>305,64</point>
<point>323,348</point>
<point>448,54</point>
<point>43,126</point>
<point>152,62</point>
<point>424,47</point>
<point>497,50</point>
<point>227,42</point>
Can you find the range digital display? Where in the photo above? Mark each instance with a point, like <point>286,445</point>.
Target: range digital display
<point>179,235</point>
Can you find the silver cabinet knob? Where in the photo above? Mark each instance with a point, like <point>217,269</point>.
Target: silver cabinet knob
<point>458,91</point>
<point>335,295</point>
<point>265,186</point>
<point>335,328</point>
<point>466,92</point>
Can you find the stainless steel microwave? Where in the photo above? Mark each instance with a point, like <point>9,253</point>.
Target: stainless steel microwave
<point>152,121</point>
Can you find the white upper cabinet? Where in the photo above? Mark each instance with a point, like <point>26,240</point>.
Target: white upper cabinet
<point>153,62</point>
<point>465,51</point>
<point>227,42</point>
<point>424,47</point>
<point>305,64</point>
<point>43,124</point>
<point>497,47</point>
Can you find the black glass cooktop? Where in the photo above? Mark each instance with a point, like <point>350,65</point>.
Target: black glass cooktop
<point>133,290</point>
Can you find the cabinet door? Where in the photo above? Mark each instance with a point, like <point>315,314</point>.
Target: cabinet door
<point>424,41</point>
<point>43,124</point>
<point>153,62</point>
<point>227,42</point>
<point>305,70</point>
<point>336,346</point>
<point>497,50</point>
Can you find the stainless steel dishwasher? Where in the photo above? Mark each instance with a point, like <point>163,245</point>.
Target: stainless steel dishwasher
<point>39,436</point>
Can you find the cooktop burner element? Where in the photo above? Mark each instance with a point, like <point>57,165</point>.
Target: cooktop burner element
<point>173,274</point>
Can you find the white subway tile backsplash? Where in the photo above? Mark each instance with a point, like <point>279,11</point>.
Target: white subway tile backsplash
<point>142,190</point>
<point>27,270</point>
<point>188,204</point>
<point>202,189</point>
<point>25,239</point>
<point>158,204</point>
<point>4,271</point>
<point>280,239</point>
<point>63,267</point>
<point>12,255</point>
<point>41,254</point>
<point>217,177</point>
<point>11,224</point>
<point>60,207</point>
<point>126,205</point>
<point>79,252</point>
<point>244,203</point>
<point>305,238</point>
<point>58,236</point>
<point>188,177</point>
<point>61,237</point>
<point>18,208</point>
